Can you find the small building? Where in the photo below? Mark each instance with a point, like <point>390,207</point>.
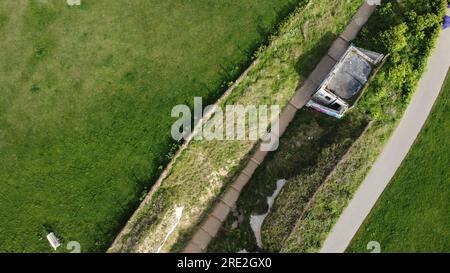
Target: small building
<point>345,82</point>
<point>53,240</point>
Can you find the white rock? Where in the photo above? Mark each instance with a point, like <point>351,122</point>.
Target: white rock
<point>73,2</point>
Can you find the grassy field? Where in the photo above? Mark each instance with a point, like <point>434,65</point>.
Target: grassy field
<point>205,168</point>
<point>412,215</point>
<point>86,94</point>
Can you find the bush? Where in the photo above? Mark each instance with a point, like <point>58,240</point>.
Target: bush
<point>406,31</point>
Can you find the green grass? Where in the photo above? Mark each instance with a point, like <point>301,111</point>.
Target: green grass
<point>384,102</point>
<point>205,168</point>
<point>311,202</point>
<point>412,214</point>
<point>308,152</point>
<point>86,99</point>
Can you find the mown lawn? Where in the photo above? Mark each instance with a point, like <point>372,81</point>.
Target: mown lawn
<point>86,94</point>
<point>412,215</point>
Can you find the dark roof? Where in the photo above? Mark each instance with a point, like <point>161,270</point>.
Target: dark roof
<point>350,77</point>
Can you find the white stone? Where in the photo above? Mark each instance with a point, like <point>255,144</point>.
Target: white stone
<point>73,2</point>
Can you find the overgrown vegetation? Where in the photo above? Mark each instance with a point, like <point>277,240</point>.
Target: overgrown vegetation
<point>385,102</point>
<point>407,30</point>
<point>86,98</point>
<point>312,201</point>
<point>205,168</point>
<point>412,215</point>
<point>308,152</point>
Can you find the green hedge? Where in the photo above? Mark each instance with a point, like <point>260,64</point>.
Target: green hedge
<point>407,30</point>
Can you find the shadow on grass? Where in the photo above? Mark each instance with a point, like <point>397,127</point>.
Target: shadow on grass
<point>309,150</point>
<point>309,59</point>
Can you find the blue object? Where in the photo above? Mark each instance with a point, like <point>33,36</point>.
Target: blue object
<point>446,22</point>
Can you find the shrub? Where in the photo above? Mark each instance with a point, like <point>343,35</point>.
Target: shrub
<point>406,31</point>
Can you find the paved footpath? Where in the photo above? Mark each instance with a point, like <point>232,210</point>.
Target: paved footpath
<point>395,151</point>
